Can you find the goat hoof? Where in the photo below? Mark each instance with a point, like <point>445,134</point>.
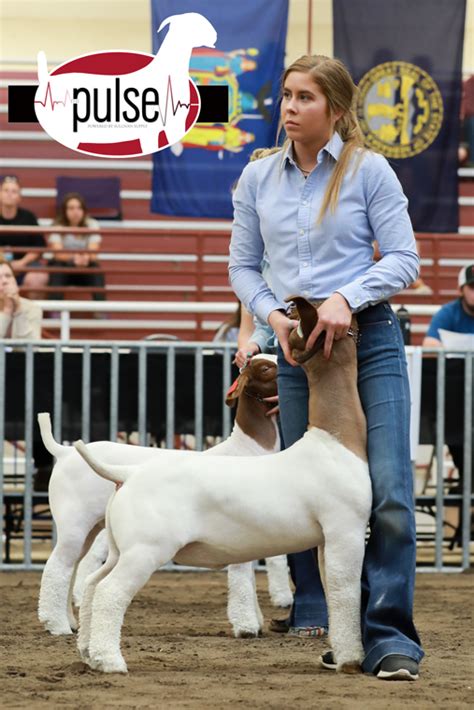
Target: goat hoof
<point>56,629</point>
<point>350,667</point>
<point>248,634</point>
<point>111,665</point>
<point>84,653</point>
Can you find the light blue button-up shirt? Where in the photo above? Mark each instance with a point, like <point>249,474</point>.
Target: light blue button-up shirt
<point>276,211</point>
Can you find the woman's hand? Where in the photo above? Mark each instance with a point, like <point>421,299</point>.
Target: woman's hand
<point>243,355</point>
<point>11,298</point>
<point>282,327</point>
<point>81,259</point>
<point>272,400</point>
<point>334,316</point>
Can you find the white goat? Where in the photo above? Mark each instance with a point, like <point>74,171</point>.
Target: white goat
<point>78,500</point>
<point>317,492</point>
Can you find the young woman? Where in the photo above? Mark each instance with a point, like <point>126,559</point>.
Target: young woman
<point>19,317</point>
<point>314,209</point>
<point>73,213</point>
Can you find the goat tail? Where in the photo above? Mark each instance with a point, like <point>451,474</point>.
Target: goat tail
<point>114,473</point>
<point>42,68</point>
<point>55,449</point>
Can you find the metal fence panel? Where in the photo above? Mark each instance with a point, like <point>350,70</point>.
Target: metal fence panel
<point>167,395</point>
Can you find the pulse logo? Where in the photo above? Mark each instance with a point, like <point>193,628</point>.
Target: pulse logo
<point>124,104</point>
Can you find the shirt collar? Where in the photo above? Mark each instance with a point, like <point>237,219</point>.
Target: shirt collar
<point>333,147</point>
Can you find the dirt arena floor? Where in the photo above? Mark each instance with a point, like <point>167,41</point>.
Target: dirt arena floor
<point>180,654</point>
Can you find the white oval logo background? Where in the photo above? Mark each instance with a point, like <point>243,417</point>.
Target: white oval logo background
<point>120,104</point>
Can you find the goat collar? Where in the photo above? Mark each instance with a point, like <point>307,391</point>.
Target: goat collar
<point>259,398</point>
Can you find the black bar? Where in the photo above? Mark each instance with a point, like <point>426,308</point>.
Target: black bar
<point>214,104</point>
<point>21,106</point>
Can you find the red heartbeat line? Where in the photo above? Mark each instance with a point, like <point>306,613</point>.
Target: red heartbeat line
<point>53,103</point>
<point>174,108</point>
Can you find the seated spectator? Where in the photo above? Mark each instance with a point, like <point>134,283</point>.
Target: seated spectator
<point>456,317</point>
<point>20,318</point>
<point>11,215</point>
<point>73,213</point>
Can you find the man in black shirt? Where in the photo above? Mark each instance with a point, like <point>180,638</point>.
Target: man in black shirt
<point>11,215</point>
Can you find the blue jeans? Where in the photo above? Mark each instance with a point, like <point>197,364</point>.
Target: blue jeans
<point>388,574</point>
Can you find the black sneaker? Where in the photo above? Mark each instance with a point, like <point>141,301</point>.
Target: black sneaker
<point>328,661</point>
<point>396,667</point>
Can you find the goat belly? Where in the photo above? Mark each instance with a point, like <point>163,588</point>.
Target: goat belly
<point>201,554</point>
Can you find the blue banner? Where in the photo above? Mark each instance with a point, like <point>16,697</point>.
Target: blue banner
<point>194,178</point>
<point>406,57</point>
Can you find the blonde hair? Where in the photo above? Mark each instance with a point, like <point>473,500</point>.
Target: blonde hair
<point>335,82</point>
<point>263,153</point>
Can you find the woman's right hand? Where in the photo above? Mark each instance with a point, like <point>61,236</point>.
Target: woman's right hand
<point>282,327</point>
<point>11,298</point>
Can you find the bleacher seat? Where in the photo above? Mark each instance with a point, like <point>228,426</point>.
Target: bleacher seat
<point>101,194</point>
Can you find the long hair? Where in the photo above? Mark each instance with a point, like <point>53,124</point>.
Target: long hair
<point>335,82</point>
<point>61,217</point>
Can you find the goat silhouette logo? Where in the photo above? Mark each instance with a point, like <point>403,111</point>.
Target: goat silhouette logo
<point>122,104</point>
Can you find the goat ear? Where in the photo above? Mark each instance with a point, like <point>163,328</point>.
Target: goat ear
<point>307,313</point>
<point>164,23</point>
<point>236,389</point>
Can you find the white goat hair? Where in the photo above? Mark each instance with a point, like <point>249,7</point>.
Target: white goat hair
<point>78,500</point>
<point>316,493</point>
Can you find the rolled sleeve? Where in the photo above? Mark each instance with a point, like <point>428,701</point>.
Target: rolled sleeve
<point>262,336</point>
<point>388,217</point>
<point>247,249</point>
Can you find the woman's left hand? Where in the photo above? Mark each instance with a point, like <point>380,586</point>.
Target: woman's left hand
<point>334,317</point>
<point>243,355</point>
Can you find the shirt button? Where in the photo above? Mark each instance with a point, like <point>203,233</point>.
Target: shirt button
<point>302,232</point>
<point>357,300</point>
<point>305,202</point>
<point>305,263</point>
<point>306,293</point>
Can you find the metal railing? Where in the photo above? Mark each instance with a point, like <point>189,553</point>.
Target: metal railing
<point>18,374</point>
<point>66,323</point>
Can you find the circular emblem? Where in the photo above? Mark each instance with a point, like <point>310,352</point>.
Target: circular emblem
<point>400,109</point>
